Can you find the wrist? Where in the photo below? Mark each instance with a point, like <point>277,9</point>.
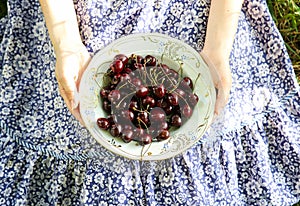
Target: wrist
<point>220,57</point>
<point>65,38</point>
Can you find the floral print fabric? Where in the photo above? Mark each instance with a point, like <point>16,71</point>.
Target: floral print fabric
<point>250,156</point>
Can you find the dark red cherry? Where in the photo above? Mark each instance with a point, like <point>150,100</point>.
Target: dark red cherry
<point>144,117</point>
<point>115,79</point>
<point>187,111</point>
<point>127,135</point>
<point>117,66</point>
<point>136,81</point>
<point>142,91</point>
<point>138,59</point>
<point>157,115</point>
<point>106,105</point>
<point>127,70</point>
<point>145,139</point>
<point>121,57</point>
<point>133,105</point>
<point>165,67</point>
<point>186,82</point>
<point>148,102</point>
<point>176,120</point>
<point>172,98</point>
<point>104,92</point>
<point>180,93</point>
<point>139,66</point>
<point>164,134</point>
<point>168,108</point>
<point>193,99</point>
<point>103,123</point>
<point>124,77</point>
<point>150,60</point>
<point>159,91</point>
<point>138,132</point>
<point>127,115</point>
<point>114,96</point>
<point>115,130</point>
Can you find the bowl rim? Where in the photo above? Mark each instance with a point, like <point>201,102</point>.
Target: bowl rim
<point>106,49</point>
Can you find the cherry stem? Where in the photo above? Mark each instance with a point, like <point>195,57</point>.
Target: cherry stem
<point>141,121</point>
<point>196,80</point>
<point>180,69</point>
<point>138,110</point>
<point>124,98</point>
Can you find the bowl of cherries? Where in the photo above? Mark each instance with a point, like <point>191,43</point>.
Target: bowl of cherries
<point>147,97</point>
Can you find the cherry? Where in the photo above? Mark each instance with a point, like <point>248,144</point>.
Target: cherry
<point>145,139</point>
<point>186,82</point>
<point>159,91</point>
<point>133,104</point>
<point>144,117</point>
<point>148,102</point>
<point>121,57</point>
<point>106,105</point>
<point>117,66</point>
<point>193,99</point>
<point>138,59</point>
<point>172,98</point>
<point>176,120</point>
<point>136,82</point>
<point>127,135</point>
<point>164,134</point>
<point>168,108</point>
<point>124,77</point>
<point>187,111</point>
<point>104,92</point>
<point>127,70</point>
<point>139,66</point>
<point>103,123</point>
<point>127,115</point>
<point>115,79</point>
<point>181,93</point>
<point>115,130</point>
<point>150,60</point>
<point>142,91</point>
<point>138,132</point>
<point>157,115</point>
<point>165,67</point>
<point>114,95</point>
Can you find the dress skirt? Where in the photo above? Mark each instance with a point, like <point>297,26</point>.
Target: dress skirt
<point>249,156</point>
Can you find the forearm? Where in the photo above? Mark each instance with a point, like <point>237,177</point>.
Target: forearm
<point>62,25</point>
<point>221,27</point>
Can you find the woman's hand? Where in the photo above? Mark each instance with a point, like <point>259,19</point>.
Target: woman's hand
<point>222,78</point>
<point>220,33</point>
<point>69,69</point>
<point>71,55</point>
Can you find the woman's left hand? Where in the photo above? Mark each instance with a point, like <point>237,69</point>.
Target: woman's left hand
<point>69,69</point>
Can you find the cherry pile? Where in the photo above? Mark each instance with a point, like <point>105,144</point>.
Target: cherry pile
<point>144,99</point>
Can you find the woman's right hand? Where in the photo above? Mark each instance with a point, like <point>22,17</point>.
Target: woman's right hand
<point>222,78</point>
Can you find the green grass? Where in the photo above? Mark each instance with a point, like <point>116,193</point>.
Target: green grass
<point>286,14</point>
<point>3,9</point>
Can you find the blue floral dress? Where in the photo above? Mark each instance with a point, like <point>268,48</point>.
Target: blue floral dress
<point>251,156</point>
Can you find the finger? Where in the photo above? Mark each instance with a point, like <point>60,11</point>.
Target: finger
<point>222,95</point>
<point>67,88</point>
<point>71,103</point>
